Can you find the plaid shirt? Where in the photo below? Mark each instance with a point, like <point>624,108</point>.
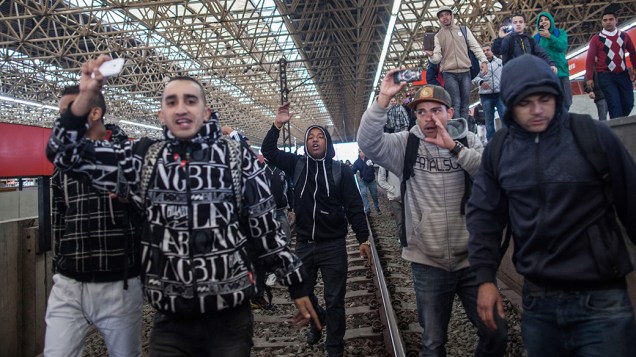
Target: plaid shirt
<point>397,118</point>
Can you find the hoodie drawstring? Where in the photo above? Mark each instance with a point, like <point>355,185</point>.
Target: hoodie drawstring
<point>306,175</point>
<point>324,171</point>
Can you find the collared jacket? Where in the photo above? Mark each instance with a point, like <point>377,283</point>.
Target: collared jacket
<point>95,235</point>
<point>197,247</point>
<point>556,46</point>
<point>435,228</point>
<point>493,77</point>
<point>323,211</point>
<point>564,232</point>
<point>451,50</point>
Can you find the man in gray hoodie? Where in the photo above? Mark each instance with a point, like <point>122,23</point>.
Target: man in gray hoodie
<point>436,236</point>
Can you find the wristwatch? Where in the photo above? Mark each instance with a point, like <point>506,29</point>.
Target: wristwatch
<point>457,148</point>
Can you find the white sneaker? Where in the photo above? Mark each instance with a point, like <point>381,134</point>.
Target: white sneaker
<point>271,280</point>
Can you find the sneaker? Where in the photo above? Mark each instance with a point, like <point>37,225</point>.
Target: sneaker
<point>313,334</point>
<point>260,303</point>
<point>271,280</point>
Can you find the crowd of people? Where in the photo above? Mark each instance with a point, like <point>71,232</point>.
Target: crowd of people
<point>198,221</point>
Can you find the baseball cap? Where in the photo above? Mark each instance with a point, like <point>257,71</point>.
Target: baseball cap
<point>431,93</point>
<point>442,9</point>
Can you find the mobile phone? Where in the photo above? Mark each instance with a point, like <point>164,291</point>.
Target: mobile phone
<point>111,68</point>
<point>407,75</point>
<point>429,41</point>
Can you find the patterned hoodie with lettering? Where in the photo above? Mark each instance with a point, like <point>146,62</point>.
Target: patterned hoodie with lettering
<point>195,242</point>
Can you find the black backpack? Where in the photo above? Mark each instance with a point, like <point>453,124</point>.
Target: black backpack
<point>585,135</point>
<point>474,62</point>
<point>410,156</point>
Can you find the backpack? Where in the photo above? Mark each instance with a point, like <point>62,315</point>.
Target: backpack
<point>410,156</point>
<point>475,68</point>
<point>585,135</point>
<point>336,171</point>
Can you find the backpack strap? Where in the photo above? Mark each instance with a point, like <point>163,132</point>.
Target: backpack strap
<point>300,165</point>
<point>586,137</point>
<point>235,161</point>
<point>148,168</point>
<point>336,172</point>
<point>410,156</point>
<point>468,182</point>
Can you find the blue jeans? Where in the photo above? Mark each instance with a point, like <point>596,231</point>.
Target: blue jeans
<point>458,85</point>
<point>618,91</point>
<point>578,323</point>
<point>330,257</point>
<point>225,333</point>
<point>372,187</point>
<point>489,103</point>
<point>435,290</point>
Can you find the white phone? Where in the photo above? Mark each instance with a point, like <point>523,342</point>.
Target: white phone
<point>111,68</point>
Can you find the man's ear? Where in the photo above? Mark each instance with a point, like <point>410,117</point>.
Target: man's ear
<point>160,116</point>
<point>95,114</point>
<point>208,114</point>
<point>451,111</point>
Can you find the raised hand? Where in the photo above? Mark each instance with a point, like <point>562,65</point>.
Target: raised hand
<point>283,115</point>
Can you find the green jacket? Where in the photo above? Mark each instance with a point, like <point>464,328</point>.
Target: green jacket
<point>555,46</point>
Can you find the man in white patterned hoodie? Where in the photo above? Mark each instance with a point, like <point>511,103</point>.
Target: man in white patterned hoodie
<point>436,236</point>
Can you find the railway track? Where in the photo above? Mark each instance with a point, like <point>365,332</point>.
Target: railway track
<point>380,310</point>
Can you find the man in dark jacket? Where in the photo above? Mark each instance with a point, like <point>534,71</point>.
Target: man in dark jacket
<point>96,257</point>
<point>323,210</point>
<point>204,203</point>
<point>512,44</point>
<point>568,244</point>
<point>367,181</point>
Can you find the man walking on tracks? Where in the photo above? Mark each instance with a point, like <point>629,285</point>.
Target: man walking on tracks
<point>326,200</point>
<point>563,182</point>
<point>208,215</point>
<point>435,176</point>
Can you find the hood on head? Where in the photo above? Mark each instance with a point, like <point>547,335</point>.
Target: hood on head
<point>524,76</point>
<point>330,152</point>
<point>546,14</point>
<point>457,128</point>
<point>442,9</point>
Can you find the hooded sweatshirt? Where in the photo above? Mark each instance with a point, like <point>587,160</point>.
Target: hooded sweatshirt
<point>95,236</point>
<point>451,49</point>
<point>563,230</point>
<point>435,228</point>
<point>195,243</point>
<point>323,211</point>
<point>556,46</point>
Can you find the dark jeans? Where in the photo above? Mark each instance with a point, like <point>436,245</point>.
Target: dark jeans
<point>458,85</point>
<point>489,103</point>
<point>578,323</point>
<point>372,188</point>
<point>226,333</point>
<point>619,93</point>
<point>330,257</point>
<point>435,290</point>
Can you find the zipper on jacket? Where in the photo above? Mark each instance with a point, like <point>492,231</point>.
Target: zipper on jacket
<point>313,227</point>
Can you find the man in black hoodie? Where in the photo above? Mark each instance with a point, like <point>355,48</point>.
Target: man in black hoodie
<point>322,211</point>
<point>568,244</point>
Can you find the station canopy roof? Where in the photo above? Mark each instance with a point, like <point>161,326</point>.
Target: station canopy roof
<point>333,49</point>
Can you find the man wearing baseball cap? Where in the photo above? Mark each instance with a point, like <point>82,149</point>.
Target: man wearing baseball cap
<point>435,173</point>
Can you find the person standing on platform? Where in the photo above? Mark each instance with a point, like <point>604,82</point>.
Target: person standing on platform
<point>207,217</point>
<point>96,262</point>
<point>326,201</point>
<point>555,42</point>
<point>436,169</point>
<point>563,202</point>
<point>451,53</point>
<point>606,56</point>
<point>366,182</point>
<point>489,89</point>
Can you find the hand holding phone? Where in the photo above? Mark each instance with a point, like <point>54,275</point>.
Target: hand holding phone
<point>111,68</point>
<point>407,75</point>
